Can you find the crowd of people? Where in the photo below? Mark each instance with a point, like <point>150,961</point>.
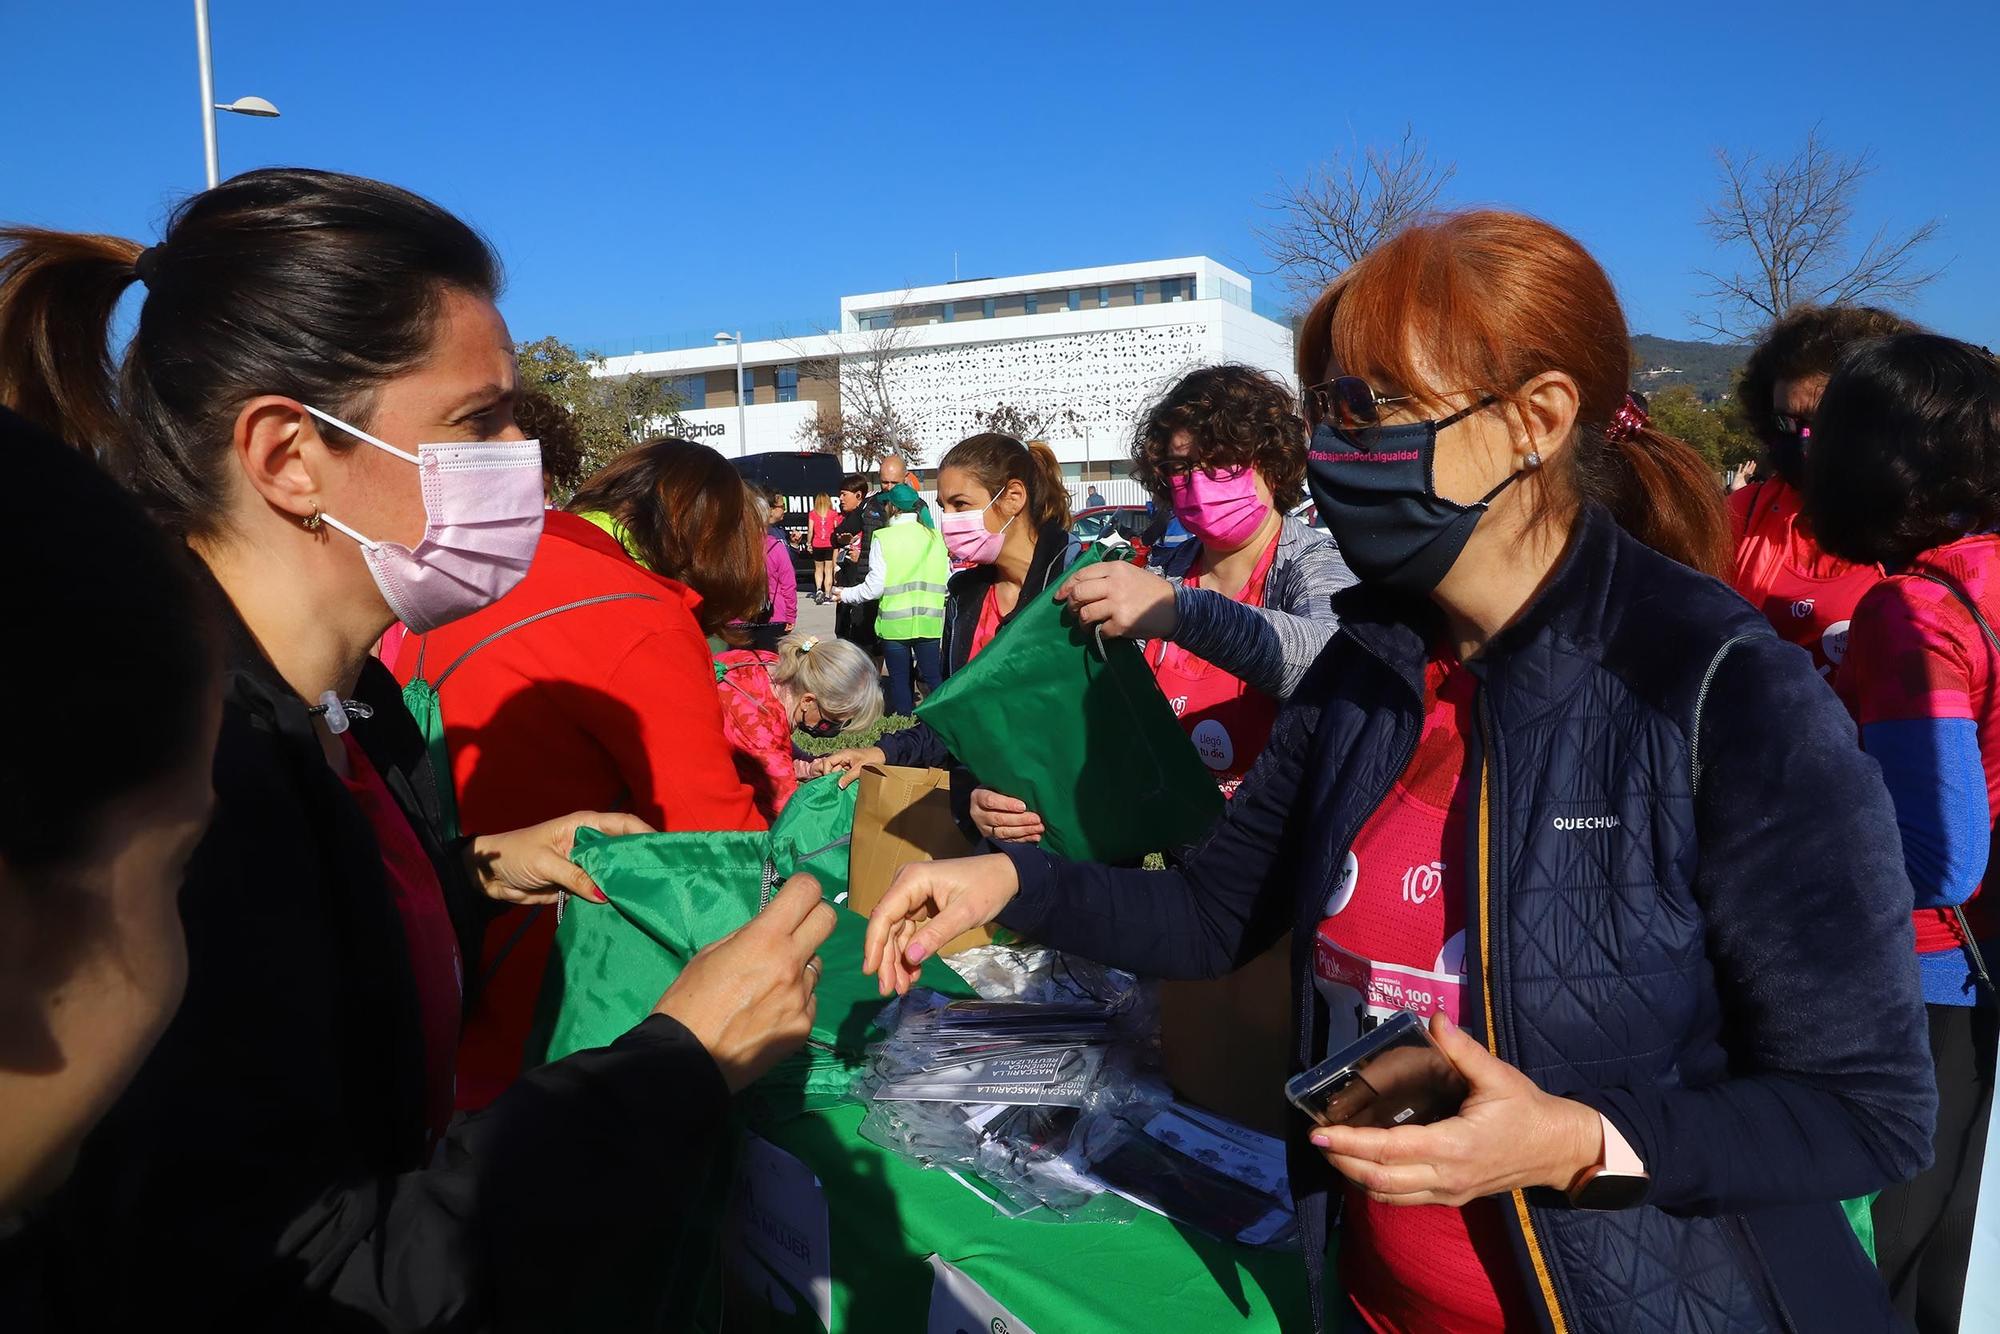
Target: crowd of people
<point>1678,803</point>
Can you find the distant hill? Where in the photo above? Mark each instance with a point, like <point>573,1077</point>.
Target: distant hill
<point>1708,368</point>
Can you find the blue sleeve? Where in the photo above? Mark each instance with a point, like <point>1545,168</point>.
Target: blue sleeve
<point>1935,777</point>
<point>916,747</point>
<point>1227,901</point>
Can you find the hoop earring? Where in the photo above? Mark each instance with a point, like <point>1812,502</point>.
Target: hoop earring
<point>311,523</point>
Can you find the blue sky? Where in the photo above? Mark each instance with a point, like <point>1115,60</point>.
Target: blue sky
<point>655,168</point>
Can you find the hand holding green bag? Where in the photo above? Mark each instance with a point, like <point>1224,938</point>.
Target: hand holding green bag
<point>1073,725</point>
<point>673,894</point>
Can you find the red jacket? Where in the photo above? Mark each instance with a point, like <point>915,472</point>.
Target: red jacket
<point>607,707</point>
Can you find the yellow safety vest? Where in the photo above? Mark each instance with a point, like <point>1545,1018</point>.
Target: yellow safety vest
<point>913,587</point>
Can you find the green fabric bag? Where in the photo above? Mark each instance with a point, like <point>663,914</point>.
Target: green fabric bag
<point>671,894</point>
<point>1861,1217</point>
<point>1105,763</point>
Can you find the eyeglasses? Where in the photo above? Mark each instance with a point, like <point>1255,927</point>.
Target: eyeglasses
<point>1792,424</point>
<point>1181,465</point>
<point>1350,402</point>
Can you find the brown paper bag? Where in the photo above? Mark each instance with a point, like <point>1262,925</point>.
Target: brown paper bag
<point>1227,1043</point>
<point>903,816</point>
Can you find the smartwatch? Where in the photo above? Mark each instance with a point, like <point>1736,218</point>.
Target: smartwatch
<point>1617,1180</point>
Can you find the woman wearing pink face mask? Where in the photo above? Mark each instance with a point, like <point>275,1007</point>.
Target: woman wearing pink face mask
<point>317,403</point>
<point>1004,513</point>
<point>1237,614</point>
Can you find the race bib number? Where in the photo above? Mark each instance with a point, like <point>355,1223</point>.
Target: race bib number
<point>1360,993</point>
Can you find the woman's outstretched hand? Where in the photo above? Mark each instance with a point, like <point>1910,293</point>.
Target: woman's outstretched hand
<point>532,865</point>
<point>927,905</point>
<point>848,763</point>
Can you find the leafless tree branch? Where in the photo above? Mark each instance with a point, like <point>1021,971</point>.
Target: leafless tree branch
<point>869,423</point>
<point>1795,220</point>
<point>1345,206</point>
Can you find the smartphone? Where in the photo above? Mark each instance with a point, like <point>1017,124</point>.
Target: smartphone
<point>1393,1075</point>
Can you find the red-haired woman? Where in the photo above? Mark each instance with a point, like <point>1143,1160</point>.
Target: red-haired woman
<point>1556,784</point>
<point>594,676</point>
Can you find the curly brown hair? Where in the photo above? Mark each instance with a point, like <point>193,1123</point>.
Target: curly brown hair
<point>1236,416</point>
<point>1805,340</point>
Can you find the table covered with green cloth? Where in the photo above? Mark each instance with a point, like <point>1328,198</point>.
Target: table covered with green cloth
<point>885,1215</point>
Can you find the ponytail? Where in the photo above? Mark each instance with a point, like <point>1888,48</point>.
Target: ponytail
<point>1659,489</point>
<point>994,460</point>
<point>309,284</point>
<point>1048,498</point>
<point>58,291</point>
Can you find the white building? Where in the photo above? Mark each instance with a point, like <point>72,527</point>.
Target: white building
<point>1085,349</point>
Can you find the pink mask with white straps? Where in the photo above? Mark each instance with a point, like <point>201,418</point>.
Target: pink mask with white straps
<point>1219,506</point>
<point>482,521</point>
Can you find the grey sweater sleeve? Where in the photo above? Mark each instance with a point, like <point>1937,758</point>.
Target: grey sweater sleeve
<point>1271,646</point>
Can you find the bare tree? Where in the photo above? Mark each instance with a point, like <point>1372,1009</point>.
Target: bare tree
<point>1027,422</point>
<point>1796,219</point>
<point>868,423</point>
<point>1346,206</point>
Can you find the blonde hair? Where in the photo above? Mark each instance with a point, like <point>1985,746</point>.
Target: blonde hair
<point>834,672</point>
<point>822,502</point>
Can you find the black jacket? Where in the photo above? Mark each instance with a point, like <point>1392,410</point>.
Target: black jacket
<point>266,1168</point>
<point>863,521</point>
<point>1689,911</point>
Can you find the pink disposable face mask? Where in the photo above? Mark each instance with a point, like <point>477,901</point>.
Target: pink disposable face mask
<point>967,538</point>
<point>1221,508</point>
<point>482,521</point>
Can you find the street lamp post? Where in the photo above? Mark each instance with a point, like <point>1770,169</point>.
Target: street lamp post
<point>742,431</point>
<point>242,106</point>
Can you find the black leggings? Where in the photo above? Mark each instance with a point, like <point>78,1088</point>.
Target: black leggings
<point>1923,1229</point>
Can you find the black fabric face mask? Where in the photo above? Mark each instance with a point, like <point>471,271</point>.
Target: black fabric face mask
<point>1374,488</point>
<point>822,730</point>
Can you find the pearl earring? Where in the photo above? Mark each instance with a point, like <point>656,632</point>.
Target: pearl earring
<point>1532,462</point>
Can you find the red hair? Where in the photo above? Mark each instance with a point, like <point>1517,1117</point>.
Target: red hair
<point>1485,301</point>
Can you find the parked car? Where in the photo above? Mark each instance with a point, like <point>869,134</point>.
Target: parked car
<point>1127,521</point>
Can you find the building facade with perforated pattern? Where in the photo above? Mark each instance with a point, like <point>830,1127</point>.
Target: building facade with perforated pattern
<point>1079,353</point>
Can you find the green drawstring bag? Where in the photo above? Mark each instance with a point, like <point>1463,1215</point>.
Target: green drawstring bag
<point>672,894</point>
<point>1073,725</point>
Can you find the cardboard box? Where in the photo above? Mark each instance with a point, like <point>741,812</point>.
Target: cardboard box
<point>903,816</point>
<point>1226,1043</point>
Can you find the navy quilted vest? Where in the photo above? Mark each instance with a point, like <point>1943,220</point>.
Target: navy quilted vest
<point>1586,948</point>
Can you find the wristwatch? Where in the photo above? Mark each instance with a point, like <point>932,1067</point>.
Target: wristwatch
<point>1617,1180</point>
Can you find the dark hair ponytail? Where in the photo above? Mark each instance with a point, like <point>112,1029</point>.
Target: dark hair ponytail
<point>311,284</point>
<point>997,459</point>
